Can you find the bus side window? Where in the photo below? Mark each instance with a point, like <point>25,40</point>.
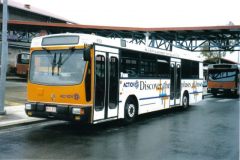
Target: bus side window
<point>148,68</point>
<point>129,63</point>
<point>163,67</point>
<point>23,58</point>
<point>129,66</point>
<point>19,58</point>
<point>190,69</point>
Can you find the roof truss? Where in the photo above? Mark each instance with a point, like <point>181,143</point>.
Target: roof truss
<point>218,38</point>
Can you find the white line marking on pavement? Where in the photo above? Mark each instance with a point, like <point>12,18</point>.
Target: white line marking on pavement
<point>224,100</point>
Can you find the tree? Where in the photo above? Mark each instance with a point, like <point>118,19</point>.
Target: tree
<point>205,52</point>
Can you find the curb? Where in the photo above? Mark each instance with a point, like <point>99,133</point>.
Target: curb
<point>12,104</point>
<point>16,116</point>
<point>23,122</point>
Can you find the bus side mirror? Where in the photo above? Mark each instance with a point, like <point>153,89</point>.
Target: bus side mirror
<point>86,54</point>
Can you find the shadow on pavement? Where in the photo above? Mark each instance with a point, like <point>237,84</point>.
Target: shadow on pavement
<point>96,129</point>
<point>228,96</point>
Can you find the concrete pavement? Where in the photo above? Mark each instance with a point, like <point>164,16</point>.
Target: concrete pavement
<point>15,115</point>
<point>15,97</point>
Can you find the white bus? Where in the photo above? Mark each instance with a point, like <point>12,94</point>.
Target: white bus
<point>94,79</point>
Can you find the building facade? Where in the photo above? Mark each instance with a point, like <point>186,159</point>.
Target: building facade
<point>24,12</point>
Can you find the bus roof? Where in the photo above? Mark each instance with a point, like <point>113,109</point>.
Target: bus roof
<point>224,66</point>
<point>73,39</point>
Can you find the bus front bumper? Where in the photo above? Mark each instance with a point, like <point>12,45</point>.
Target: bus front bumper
<point>60,112</point>
<point>221,90</point>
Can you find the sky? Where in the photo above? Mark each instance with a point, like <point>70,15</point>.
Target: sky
<point>144,13</point>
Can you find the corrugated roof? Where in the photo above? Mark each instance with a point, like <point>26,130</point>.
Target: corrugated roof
<point>215,60</point>
<point>235,28</point>
<point>29,8</point>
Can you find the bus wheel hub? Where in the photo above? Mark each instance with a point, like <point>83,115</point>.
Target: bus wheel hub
<point>131,110</point>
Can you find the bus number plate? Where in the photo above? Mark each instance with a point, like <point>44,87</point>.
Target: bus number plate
<point>51,109</point>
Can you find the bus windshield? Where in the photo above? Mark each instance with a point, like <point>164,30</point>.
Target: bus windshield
<point>23,58</point>
<point>57,67</point>
<point>222,75</point>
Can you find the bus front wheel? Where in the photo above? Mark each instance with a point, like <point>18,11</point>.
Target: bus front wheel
<point>130,110</point>
<point>214,94</point>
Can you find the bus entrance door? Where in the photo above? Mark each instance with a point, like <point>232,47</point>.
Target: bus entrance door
<point>106,86</point>
<point>175,88</point>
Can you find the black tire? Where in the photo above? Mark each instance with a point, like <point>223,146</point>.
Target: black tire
<point>214,94</point>
<point>185,101</point>
<point>130,110</point>
<point>235,95</point>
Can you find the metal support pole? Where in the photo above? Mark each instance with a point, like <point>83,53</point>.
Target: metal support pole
<point>153,41</point>
<point>147,34</point>
<point>219,57</point>
<point>238,57</point>
<point>4,57</point>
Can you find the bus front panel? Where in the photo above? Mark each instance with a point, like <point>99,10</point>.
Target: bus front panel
<point>57,85</point>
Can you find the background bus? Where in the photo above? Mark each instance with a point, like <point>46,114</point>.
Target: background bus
<point>223,78</point>
<point>22,64</point>
<point>96,79</point>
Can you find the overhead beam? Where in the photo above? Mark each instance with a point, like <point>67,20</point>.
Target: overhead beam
<point>187,38</point>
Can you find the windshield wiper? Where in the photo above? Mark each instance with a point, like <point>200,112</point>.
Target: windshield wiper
<point>50,59</point>
<point>54,63</point>
<point>69,55</point>
<point>59,63</point>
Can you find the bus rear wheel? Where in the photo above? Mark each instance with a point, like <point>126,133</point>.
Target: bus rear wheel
<point>185,101</point>
<point>130,110</point>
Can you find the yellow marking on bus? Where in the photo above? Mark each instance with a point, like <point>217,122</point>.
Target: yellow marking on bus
<point>194,88</point>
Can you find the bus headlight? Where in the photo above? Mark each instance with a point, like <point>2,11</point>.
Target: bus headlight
<point>29,106</point>
<point>77,111</point>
